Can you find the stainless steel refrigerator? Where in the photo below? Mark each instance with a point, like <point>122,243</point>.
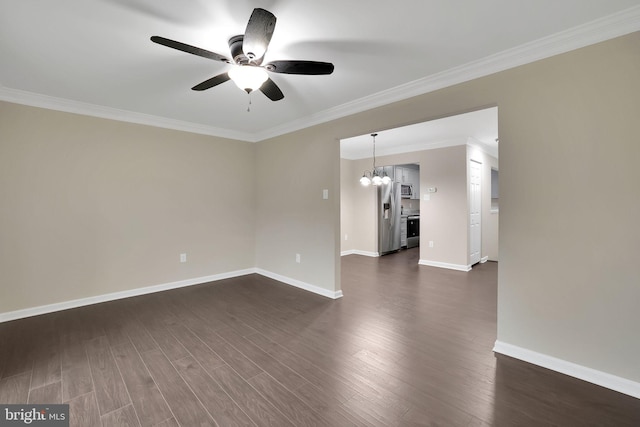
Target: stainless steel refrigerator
<point>388,218</point>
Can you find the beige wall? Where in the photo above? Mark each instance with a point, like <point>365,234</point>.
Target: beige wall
<point>444,218</point>
<point>568,282</point>
<point>92,206</point>
<point>346,205</point>
<point>357,209</point>
<point>291,215</point>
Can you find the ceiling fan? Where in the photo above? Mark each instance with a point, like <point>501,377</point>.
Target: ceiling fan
<point>248,52</point>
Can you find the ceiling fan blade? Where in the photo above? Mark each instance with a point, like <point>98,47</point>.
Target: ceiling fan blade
<point>258,34</point>
<point>311,68</point>
<point>189,49</point>
<point>213,81</point>
<point>271,90</point>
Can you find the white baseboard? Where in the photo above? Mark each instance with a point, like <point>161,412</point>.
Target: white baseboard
<point>357,252</point>
<point>593,376</point>
<point>484,259</point>
<point>458,267</point>
<point>50,308</point>
<point>299,284</point>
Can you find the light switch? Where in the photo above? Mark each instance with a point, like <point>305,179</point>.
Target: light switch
<point>325,194</point>
<point>426,197</point>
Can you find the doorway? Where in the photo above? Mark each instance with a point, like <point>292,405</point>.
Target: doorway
<point>475,211</point>
<point>443,148</point>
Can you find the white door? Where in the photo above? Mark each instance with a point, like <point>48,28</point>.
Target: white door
<point>475,205</point>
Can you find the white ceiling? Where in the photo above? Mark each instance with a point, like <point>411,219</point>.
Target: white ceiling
<point>95,56</point>
<point>478,127</point>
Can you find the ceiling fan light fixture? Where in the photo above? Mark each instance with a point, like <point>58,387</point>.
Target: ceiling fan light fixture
<point>248,77</point>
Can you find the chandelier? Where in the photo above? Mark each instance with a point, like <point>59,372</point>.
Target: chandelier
<point>372,176</point>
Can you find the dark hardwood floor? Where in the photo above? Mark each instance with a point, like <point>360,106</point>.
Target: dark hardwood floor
<point>408,345</point>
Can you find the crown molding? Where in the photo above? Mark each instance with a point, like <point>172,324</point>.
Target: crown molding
<point>77,107</point>
<point>608,27</point>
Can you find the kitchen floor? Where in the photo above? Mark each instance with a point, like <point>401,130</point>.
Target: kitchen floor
<point>407,345</point>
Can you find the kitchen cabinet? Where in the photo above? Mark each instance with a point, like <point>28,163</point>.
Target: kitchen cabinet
<point>414,180</point>
<point>402,175</point>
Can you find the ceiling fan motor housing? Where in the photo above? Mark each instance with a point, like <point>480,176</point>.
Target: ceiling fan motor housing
<point>235,46</point>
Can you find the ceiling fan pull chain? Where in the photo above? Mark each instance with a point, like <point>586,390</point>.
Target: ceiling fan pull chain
<point>249,106</point>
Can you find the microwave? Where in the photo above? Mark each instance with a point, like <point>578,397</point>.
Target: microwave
<point>406,191</point>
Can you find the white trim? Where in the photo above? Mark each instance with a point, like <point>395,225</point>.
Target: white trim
<point>593,376</point>
<point>484,259</point>
<point>358,252</point>
<point>299,284</point>
<point>599,30</point>
<point>50,308</point>
<point>458,267</point>
<point>77,107</point>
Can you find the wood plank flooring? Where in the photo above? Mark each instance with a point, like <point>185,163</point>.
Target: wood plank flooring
<point>407,345</point>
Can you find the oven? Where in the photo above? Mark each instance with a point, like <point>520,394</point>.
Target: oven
<point>413,231</point>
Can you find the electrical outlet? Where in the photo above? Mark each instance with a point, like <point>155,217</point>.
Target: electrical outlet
<point>183,257</point>
<point>346,237</point>
<point>298,258</point>
<point>430,243</point>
